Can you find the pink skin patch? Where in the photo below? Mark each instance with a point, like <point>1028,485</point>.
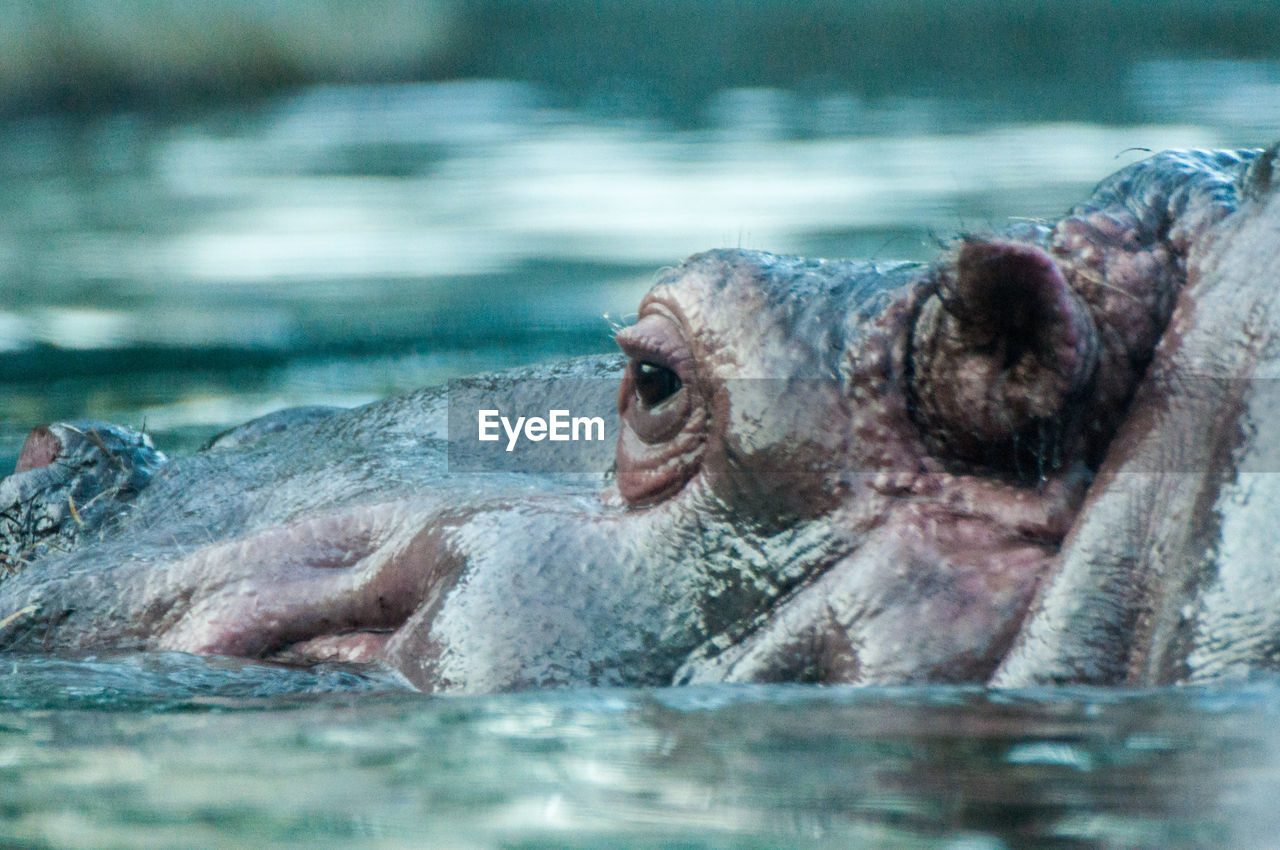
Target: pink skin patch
<point>355,648</point>
<point>40,449</point>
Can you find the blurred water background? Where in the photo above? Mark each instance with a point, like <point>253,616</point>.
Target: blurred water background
<point>216,209</point>
<point>212,210</point>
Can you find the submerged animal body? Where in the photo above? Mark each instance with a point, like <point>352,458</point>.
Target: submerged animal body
<point>1042,458</point>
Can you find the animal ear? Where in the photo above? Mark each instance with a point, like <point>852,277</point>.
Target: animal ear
<point>40,449</point>
<point>1000,357</point>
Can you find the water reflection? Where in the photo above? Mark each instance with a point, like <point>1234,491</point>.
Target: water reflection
<point>425,221</point>
<point>375,184</point>
<point>704,766</point>
<point>1243,95</point>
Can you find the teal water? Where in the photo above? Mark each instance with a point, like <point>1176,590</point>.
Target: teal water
<point>183,259</point>
<point>463,187</point>
<point>175,751</point>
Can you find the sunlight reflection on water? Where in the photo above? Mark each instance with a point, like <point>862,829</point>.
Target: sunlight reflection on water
<point>705,766</point>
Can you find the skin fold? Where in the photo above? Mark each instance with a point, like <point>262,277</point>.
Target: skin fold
<point>824,471</point>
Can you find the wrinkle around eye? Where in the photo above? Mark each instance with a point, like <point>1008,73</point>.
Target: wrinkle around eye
<point>663,413</point>
<point>657,339</point>
<point>649,473</point>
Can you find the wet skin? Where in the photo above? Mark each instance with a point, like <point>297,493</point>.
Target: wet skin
<point>825,471</point>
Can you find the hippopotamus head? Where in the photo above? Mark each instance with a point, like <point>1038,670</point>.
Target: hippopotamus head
<point>825,471</point>
<point>939,422</point>
<point>776,394</point>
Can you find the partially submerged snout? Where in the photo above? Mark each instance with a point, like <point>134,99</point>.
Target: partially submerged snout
<point>825,471</point>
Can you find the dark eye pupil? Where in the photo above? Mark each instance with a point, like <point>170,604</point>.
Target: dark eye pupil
<point>654,384</point>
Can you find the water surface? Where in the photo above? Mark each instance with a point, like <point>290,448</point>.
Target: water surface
<point>173,750</point>
<point>478,186</point>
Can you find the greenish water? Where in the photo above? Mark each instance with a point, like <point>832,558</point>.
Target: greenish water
<point>175,751</point>
<point>177,256</point>
<point>192,237</point>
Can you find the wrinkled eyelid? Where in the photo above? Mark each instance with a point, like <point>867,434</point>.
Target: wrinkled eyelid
<point>660,339</point>
<point>641,346</point>
<point>624,338</point>
<point>637,347</point>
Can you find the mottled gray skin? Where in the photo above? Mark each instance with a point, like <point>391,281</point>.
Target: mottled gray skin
<point>1171,572</point>
<point>842,472</point>
<point>74,476</point>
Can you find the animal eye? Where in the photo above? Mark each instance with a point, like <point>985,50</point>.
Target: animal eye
<point>654,402</point>
<point>654,384</point>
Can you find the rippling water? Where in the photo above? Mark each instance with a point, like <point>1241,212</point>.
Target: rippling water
<point>185,269</point>
<point>345,243</point>
<point>174,750</point>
